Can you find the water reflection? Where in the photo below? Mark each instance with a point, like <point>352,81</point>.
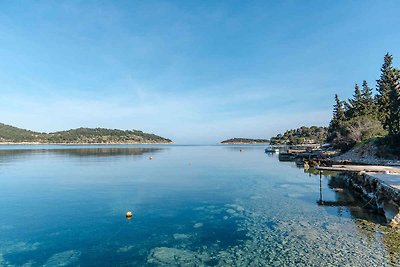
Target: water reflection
<point>242,148</point>
<point>9,155</point>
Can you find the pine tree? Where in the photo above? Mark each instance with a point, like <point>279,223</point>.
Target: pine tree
<point>383,96</point>
<point>348,110</point>
<point>367,105</point>
<point>338,118</point>
<point>392,122</point>
<point>338,112</point>
<point>356,103</point>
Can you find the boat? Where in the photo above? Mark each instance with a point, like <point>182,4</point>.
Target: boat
<point>270,149</point>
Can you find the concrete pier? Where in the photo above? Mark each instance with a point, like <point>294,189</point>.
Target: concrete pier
<point>361,168</point>
<point>378,185</point>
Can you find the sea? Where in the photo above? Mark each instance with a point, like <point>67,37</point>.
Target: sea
<point>192,205</point>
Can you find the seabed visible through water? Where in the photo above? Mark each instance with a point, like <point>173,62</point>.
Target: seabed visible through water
<point>192,205</point>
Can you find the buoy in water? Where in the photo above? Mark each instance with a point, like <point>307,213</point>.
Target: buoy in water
<point>129,214</point>
<point>150,158</point>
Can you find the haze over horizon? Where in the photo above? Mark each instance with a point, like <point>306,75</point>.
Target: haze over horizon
<point>191,71</point>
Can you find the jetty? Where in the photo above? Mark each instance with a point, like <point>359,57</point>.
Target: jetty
<point>360,168</point>
<point>378,185</point>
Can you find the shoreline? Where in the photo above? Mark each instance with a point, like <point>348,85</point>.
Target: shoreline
<point>239,143</point>
<point>38,143</point>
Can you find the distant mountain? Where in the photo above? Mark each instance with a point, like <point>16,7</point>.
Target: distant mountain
<point>245,141</point>
<point>11,134</point>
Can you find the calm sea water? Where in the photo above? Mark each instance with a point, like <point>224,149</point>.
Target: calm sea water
<point>192,205</point>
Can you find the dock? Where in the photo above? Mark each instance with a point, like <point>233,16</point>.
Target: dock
<point>360,168</point>
<point>378,185</point>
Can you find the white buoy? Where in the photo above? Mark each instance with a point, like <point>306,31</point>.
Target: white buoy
<point>129,214</point>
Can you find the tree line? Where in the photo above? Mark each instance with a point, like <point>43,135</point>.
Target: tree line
<point>302,135</point>
<point>368,115</point>
<point>12,134</point>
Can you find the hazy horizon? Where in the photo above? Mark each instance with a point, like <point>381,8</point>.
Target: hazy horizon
<point>194,72</point>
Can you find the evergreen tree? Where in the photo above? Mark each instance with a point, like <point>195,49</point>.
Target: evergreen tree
<point>348,110</point>
<point>368,105</point>
<point>356,104</point>
<point>338,111</point>
<point>383,97</point>
<point>338,118</point>
<point>392,123</point>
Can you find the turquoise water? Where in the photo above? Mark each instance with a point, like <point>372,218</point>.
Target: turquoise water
<point>192,205</point>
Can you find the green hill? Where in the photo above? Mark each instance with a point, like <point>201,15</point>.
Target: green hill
<point>11,134</point>
<point>302,135</point>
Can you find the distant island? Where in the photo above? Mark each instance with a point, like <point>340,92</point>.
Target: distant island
<point>245,141</point>
<point>13,135</point>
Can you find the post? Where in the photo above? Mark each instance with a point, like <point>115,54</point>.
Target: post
<point>320,188</point>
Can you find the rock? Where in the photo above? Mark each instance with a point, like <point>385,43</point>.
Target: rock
<point>172,256</point>
<point>181,236</point>
<point>198,225</point>
<point>231,211</point>
<point>65,258</point>
<point>125,249</point>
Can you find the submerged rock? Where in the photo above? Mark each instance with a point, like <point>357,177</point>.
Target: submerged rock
<point>125,249</point>
<point>231,211</point>
<point>16,247</point>
<point>198,225</point>
<point>172,256</point>
<point>181,236</point>
<point>63,258</point>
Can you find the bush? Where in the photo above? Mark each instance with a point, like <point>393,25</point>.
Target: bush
<point>356,130</point>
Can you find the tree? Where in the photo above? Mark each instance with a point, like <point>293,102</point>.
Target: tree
<point>338,118</point>
<point>368,106</point>
<point>383,84</point>
<point>338,111</point>
<point>392,123</point>
<point>355,130</point>
<point>356,103</point>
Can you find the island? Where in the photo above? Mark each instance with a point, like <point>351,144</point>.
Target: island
<point>13,135</point>
<point>245,141</point>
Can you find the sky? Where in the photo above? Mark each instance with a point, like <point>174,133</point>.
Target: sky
<point>192,71</point>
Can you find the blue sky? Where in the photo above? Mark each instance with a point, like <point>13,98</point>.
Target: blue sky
<point>192,71</point>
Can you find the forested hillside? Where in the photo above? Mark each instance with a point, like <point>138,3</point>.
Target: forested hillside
<point>10,134</point>
<point>302,135</point>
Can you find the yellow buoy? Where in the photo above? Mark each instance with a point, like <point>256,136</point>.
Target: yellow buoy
<point>129,214</point>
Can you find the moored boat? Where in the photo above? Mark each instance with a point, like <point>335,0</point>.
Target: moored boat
<point>270,149</point>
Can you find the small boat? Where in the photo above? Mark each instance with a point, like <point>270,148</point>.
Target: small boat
<point>271,150</point>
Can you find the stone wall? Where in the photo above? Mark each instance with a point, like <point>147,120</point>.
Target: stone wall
<point>378,195</point>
